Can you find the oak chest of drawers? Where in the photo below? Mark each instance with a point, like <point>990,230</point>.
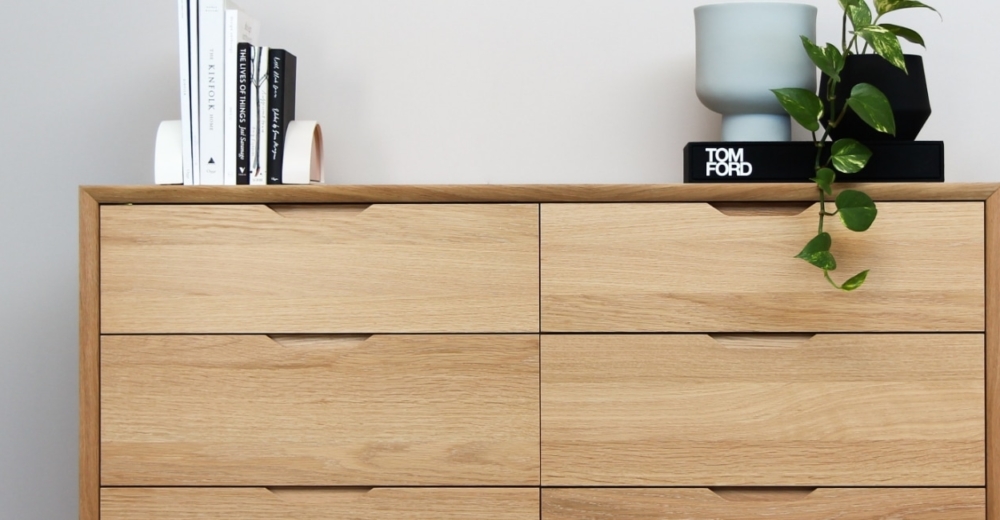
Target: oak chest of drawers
<point>516,352</point>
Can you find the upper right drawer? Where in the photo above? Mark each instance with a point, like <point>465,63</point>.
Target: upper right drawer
<point>695,267</point>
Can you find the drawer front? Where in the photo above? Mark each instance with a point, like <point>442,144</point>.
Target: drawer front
<point>319,411</point>
<point>319,269</point>
<point>821,504</point>
<point>695,410</point>
<point>264,504</point>
<point>687,267</point>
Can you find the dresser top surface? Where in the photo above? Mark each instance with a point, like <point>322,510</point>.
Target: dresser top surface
<point>527,193</point>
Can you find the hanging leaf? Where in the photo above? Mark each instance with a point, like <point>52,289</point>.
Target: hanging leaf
<point>885,43</point>
<point>828,59</point>
<point>803,105</point>
<point>825,178</point>
<point>871,105</point>
<point>856,281</point>
<point>908,34</point>
<point>856,209</point>
<point>849,156</point>
<point>888,6</point>
<point>817,252</point>
<point>858,12</point>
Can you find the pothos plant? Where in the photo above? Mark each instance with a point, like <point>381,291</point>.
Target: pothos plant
<point>855,208</point>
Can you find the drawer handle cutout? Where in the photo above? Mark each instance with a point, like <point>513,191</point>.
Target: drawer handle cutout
<point>318,211</point>
<point>762,494</point>
<point>762,341</point>
<point>761,209</point>
<point>304,494</point>
<point>321,341</point>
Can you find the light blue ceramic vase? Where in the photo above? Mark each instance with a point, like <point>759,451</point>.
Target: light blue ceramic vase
<point>743,51</point>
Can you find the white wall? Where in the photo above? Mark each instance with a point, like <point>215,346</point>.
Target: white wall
<point>408,91</point>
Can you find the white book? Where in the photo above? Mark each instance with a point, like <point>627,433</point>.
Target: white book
<point>184,51</point>
<point>240,27</point>
<point>194,87</point>
<point>261,81</point>
<point>211,50</point>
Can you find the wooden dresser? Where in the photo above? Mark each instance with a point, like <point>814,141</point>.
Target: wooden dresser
<point>508,352</point>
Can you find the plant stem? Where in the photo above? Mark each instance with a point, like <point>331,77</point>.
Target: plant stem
<point>833,283</point>
<point>843,33</point>
<point>822,209</point>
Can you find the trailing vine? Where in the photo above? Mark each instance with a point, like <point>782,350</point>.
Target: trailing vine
<point>857,211</point>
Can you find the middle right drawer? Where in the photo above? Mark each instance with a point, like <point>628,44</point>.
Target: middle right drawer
<point>760,410</point>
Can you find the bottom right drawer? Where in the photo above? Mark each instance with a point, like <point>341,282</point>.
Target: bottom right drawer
<point>776,504</point>
<point>830,410</point>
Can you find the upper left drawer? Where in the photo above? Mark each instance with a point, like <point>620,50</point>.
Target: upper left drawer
<point>394,268</point>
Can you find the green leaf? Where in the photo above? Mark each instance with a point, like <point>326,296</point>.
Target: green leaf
<point>885,43</point>
<point>856,209</point>
<point>855,281</point>
<point>858,12</point>
<point>801,104</point>
<point>817,252</point>
<point>849,156</point>
<point>828,59</point>
<point>908,34</point>
<point>824,179</point>
<point>871,105</point>
<point>888,6</point>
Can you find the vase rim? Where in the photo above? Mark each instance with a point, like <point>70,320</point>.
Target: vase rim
<point>873,55</point>
<point>721,5</point>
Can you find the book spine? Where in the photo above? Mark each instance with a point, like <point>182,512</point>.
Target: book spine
<point>242,123</point>
<point>195,90</point>
<point>184,50</point>
<point>258,167</point>
<point>240,29</point>
<point>281,110</point>
<point>231,37</point>
<point>211,41</point>
<point>252,116</point>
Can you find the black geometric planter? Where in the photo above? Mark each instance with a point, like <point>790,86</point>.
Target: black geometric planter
<point>907,95</point>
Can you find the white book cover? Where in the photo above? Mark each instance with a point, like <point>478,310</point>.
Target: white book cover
<point>211,50</point>
<point>184,50</point>
<point>258,163</point>
<point>240,27</point>
<point>194,87</point>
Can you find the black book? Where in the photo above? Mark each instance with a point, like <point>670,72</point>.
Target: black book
<point>749,162</point>
<point>281,68</point>
<point>243,108</point>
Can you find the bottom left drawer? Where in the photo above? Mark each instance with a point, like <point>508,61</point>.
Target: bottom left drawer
<point>319,504</point>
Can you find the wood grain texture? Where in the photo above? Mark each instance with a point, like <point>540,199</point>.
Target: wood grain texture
<point>389,269</point>
<point>837,410</point>
<point>376,504</point>
<point>524,193</point>
<point>384,411</point>
<point>822,504</point>
<point>690,268</point>
<point>90,375</point>
<point>993,357</point>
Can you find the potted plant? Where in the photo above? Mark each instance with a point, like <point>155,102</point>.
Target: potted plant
<point>835,152</point>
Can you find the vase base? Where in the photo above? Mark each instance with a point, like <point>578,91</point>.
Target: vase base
<point>756,127</point>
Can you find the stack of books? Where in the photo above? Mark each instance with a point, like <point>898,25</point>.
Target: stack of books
<point>237,98</point>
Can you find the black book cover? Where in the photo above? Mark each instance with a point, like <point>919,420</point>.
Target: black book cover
<point>243,108</point>
<point>750,162</point>
<point>282,109</point>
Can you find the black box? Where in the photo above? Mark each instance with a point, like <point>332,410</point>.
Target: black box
<point>749,162</point>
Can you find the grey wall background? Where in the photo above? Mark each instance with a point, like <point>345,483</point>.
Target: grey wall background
<point>408,91</point>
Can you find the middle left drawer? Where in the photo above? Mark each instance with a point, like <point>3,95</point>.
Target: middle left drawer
<point>386,410</point>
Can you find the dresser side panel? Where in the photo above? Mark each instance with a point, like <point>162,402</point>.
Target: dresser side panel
<point>992,356</point>
<point>90,326</point>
